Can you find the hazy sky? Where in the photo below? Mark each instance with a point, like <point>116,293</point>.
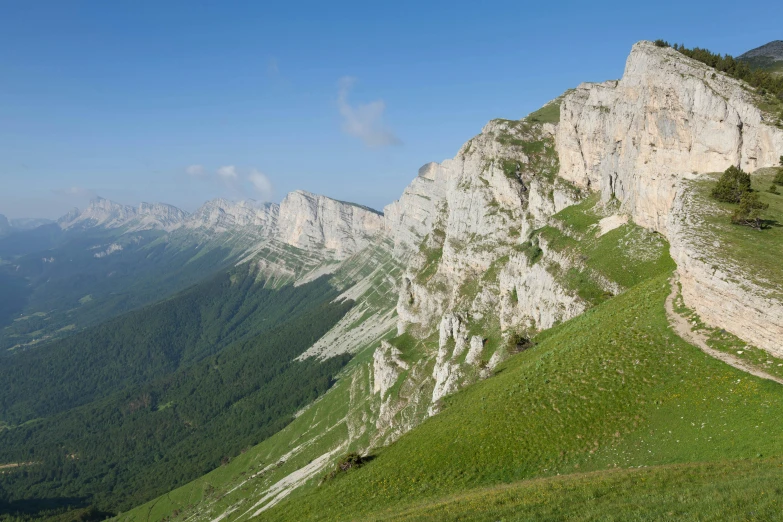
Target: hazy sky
<point>185,101</point>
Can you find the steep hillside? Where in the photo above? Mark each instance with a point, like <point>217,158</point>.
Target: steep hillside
<point>613,388</point>
<point>535,267</point>
<point>90,276</point>
<point>641,139</point>
<point>168,392</point>
<point>509,321</point>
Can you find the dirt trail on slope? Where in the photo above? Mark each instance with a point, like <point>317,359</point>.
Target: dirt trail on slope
<point>682,327</point>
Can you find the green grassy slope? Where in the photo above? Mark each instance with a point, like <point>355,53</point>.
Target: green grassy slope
<point>613,388</point>
<point>729,491</point>
<point>601,265</point>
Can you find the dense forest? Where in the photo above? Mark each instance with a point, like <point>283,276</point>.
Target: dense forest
<point>66,287</point>
<point>159,396</point>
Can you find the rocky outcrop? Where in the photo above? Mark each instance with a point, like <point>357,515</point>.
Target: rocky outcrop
<point>156,215</point>
<point>461,226</point>
<point>465,214</point>
<point>412,217</point>
<point>452,342</point>
<point>669,115</point>
<point>387,366</point>
<point>114,247</point>
<point>312,222</point>
<point>532,297</point>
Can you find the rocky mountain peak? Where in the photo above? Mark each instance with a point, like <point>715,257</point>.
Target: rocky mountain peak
<point>669,115</point>
<point>309,221</point>
<point>110,215</point>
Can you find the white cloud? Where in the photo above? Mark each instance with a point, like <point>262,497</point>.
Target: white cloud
<point>364,121</point>
<point>228,175</point>
<point>197,171</point>
<point>76,192</point>
<point>261,184</point>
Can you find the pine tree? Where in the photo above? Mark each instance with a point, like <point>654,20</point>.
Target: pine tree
<point>732,185</point>
<point>749,211</point>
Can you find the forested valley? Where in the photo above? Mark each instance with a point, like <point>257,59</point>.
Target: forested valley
<point>59,282</point>
<point>122,412</point>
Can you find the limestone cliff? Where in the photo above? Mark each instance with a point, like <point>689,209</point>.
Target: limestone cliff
<point>221,215</point>
<point>668,116</point>
<point>311,222</point>
<point>483,250</point>
<point>637,139</point>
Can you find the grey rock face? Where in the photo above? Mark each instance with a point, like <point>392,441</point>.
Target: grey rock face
<point>221,215</point>
<point>412,217</point>
<point>668,116</point>
<point>311,222</point>
<point>314,224</point>
<point>386,367</point>
<point>668,119</point>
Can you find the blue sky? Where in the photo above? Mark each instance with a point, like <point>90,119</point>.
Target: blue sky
<point>184,101</point>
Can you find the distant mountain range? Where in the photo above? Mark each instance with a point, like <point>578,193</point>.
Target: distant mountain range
<point>302,220</point>
<point>15,225</point>
<point>768,56</point>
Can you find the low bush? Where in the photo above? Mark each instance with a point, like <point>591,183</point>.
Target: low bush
<point>345,464</point>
